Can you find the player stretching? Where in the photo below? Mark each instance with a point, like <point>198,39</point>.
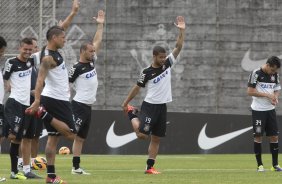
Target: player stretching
<point>84,78</point>
<point>55,96</point>
<point>152,118</point>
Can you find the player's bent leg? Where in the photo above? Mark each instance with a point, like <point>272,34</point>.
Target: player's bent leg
<point>63,128</point>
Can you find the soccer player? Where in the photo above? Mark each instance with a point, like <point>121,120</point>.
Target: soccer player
<point>3,45</point>
<point>264,87</point>
<point>35,123</point>
<point>56,108</point>
<point>152,119</point>
<point>83,75</point>
<point>17,74</point>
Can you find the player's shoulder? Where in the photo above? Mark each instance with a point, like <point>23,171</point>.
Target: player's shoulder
<point>147,69</point>
<point>12,60</point>
<point>257,71</point>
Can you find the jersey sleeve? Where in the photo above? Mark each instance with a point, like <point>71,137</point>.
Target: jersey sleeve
<point>277,85</point>
<point>170,59</point>
<point>73,74</point>
<point>252,82</point>
<point>8,70</point>
<point>142,80</point>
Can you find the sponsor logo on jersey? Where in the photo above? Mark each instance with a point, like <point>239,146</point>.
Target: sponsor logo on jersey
<point>160,77</point>
<point>90,74</point>
<point>267,86</point>
<point>25,73</point>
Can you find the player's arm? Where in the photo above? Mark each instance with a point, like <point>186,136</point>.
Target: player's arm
<point>7,86</point>
<point>133,92</point>
<point>46,64</point>
<point>180,23</point>
<point>66,23</point>
<point>97,40</point>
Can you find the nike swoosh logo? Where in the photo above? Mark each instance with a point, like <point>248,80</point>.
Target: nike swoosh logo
<point>206,142</point>
<point>115,141</point>
<point>44,133</point>
<point>249,65</point>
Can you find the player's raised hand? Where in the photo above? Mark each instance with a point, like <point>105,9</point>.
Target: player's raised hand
<point>180,22</point>
<point>100,19</point>
<point>75,6</point>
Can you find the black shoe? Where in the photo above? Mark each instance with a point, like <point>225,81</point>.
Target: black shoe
<point>31,175</point>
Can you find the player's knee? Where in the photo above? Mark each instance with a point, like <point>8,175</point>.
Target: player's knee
<point>11,137</point>
<point>258,139</point>
<point>273,139</point>
<point>70,136</point>
<point>141,135</point>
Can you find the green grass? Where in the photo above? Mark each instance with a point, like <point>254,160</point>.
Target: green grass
<point>176,169</point>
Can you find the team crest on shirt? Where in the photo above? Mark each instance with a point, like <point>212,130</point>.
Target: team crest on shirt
<point>92,64</point>
<point>28,64</point>
<point>163,67</point>
<point>146,127</point>
<point>272,78</point>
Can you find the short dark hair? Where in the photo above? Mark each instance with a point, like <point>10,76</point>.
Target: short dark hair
<point>158,49</point>
<point>83,46</point>
<point>274,61</point>
<point>3,42</point>
<point>54,30</point>
<point>27,41</point>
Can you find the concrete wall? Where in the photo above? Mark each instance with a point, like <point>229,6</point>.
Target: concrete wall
<point>225,40</point>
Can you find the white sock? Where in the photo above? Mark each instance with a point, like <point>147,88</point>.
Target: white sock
<point>20,160</point>
<point>26,168</point>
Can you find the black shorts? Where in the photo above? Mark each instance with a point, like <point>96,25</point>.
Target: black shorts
<point>1,120</point>
<point>82,117</point>
<point>60,110</point>
<point>38,128</point>
<point>153,119</point>
<point>265,121</point>
<point>16,122</point>
<point>38,123</point>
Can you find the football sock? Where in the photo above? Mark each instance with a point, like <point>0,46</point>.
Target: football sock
<point>51,171</point>
<point>150,163</point>
<point>20,160</point>
<point>274,151</point>
<point>14,153</point>
<point>75,162</point>
<point>131,115</point>
<point>257,150</point>
<point>26,169</point>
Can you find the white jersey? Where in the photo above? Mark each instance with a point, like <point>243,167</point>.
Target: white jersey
<point>19,74</point>
<point>266,84</point>
<point>158,82</point>
<point>56,81</point>
<point>85,81</point>
<point>2,91</point>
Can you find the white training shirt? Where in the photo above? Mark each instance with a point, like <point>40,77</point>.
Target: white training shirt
<point>158,82</point>
<point>266,84</point>
<point>56,81</point>
<point>19,74</point>
<point>85,81</point>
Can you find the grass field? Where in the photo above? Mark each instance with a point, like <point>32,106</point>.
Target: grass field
<point>176,169</point>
